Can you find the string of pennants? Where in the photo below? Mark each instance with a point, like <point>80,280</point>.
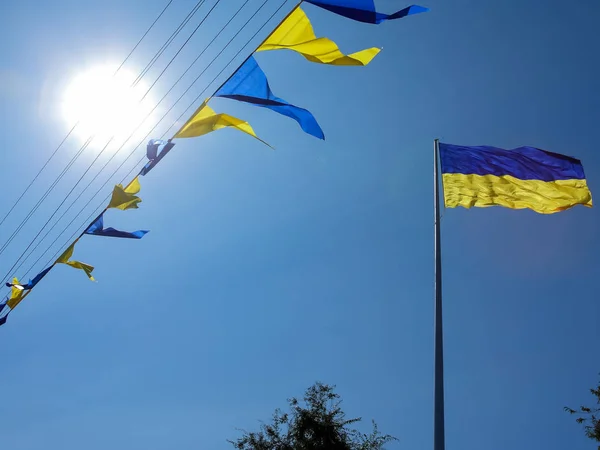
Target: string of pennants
<point>247,84</point>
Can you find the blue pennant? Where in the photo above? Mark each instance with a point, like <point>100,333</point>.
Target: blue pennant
<point>153,156</point>
<point>97,229</point>
<point>249,84</point>
<point>364,10</point>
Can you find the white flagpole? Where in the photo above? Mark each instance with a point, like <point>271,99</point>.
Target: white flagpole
<point>438,418</point>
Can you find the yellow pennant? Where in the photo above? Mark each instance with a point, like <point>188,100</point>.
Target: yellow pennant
<point>16,295</point>
<point>296,33</point>
<point>124,197</point>
<point>66,256</point>
<point>206,120</point>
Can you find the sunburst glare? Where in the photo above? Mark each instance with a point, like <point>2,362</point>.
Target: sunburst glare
<point>107,105</point>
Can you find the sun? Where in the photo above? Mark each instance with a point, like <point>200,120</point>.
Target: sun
<point>107,105</point>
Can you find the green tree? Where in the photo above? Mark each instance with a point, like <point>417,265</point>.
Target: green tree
<point>316,424</point>
<point>589,416</point>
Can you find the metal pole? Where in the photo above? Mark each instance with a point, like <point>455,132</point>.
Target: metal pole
<point>438,418</point>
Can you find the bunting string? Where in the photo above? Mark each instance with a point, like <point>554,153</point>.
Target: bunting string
<point>162,118</point>
<point>248,84</point>
<point>53,154</point>
<point>168,42</point>
<point>116,152</point>
<point>74,158</point>
<point>201,95</point>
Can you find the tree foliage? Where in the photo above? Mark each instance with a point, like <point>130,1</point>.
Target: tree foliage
<point>589,416</point>
<point>318,423</point>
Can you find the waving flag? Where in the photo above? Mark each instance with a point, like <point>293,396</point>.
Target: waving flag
<point>525,177</point>
<point>364,10</point>
<point>249,84</point>
<point>296,33</point>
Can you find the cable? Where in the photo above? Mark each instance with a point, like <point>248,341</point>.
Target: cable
<point>32,211</point>
<point>101,152</point>
<point>142,38</point>
<point>142,160</point>
<point>75,126</point>
<point>164,116</point>
<point>118,150</point>
<point>49,190</point>
<point>57,209</point>
<point>219,54</point>
<point>38,174</point>
<point>191,14</point>
<point>222,70</point>
<point>181,48</point>
<point>168,42</point>
<point>202,52</point>
<point>87,221</point>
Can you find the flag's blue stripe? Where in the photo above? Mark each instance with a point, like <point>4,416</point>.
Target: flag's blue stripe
<point>525,163</point>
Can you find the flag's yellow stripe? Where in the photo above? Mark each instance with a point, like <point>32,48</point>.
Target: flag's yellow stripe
<point>545,197</point>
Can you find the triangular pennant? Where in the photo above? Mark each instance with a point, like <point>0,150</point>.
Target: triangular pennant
<point>124,198</point>
<point>206,120</point>
<point>65,259</point>
<point>97,229</point>
<point>249,84</point>
<point>296,33</point>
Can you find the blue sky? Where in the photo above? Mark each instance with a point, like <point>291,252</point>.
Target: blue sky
<point>265,271</point>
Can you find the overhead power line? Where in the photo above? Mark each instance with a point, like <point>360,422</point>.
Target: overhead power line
<point>95,213</point>
<point>127,140</point>
<point>49,190</point>
<point>19,264</point>
<point>77,123</point>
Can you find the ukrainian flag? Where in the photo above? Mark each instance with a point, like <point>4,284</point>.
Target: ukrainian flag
<point>525,177</point>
